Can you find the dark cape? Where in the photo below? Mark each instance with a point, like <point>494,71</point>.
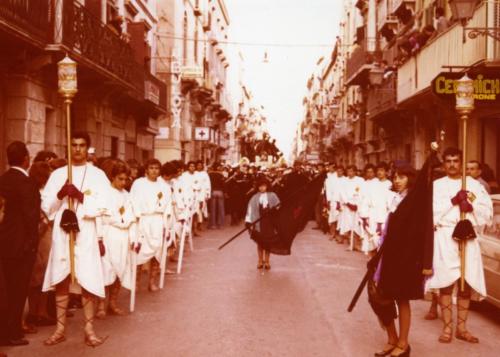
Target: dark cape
<point>294,214</point>
<point>408,245</point>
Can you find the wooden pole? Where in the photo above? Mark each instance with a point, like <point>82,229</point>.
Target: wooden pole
<point>462,244</point>
<point>67,104</point>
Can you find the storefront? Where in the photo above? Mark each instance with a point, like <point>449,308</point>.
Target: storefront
<point>484,123</point>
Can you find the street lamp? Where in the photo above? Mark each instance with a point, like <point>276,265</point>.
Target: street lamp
<point>463,10</point>
<point>67,88</point>
<point>464,106</point>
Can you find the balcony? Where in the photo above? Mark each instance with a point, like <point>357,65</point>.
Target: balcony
<point>382,99</point>
<point>155,91</point>
<point>384,17</point>
<point>397,5</point>
<point>449,48</point>
<point>359,65</point>
<point>28,19</point>
<point>96,46</point>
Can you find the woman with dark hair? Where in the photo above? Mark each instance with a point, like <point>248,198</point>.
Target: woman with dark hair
<point>38,301</point>
<point>263,232</point>
<point>403,181</point>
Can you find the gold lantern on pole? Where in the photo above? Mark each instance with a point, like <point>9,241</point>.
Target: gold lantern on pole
<point>67,88</point>
<point>464,106</point>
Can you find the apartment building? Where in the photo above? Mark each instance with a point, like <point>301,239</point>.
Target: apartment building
<point>119,97</point>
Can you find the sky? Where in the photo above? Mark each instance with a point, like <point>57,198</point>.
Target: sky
<point>280,84</point>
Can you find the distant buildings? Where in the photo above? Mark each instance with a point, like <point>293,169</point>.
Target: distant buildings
<point>382,94</point>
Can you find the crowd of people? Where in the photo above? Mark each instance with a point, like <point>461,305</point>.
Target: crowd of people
<point>358,208</point>
<point>77,242</point>
<point>125,221</point>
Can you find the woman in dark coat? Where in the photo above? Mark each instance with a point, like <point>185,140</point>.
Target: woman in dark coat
<point>263,233</point>
<point>406,255</point>
<point>3,297</point>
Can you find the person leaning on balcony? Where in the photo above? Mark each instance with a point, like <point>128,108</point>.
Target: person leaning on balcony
<point>441,21</point>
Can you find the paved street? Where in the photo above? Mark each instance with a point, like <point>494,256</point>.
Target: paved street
<point>222,306</point>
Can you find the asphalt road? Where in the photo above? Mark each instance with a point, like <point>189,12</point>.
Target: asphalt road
<point>222,306</point>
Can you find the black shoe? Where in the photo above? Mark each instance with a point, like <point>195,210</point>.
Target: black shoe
<point>384,352</point>
<point>406,353</point>
<point>18,342</point>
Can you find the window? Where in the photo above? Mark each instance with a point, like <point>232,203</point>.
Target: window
<point>196,42</point>
<point>184,38</point>
<point>114,147</point>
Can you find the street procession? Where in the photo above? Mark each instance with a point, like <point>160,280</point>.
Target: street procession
<point>249,178</point>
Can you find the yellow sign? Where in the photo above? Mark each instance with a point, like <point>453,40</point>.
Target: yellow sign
<point>484,88</point>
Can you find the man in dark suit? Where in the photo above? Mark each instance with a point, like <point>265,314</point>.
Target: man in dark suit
<point>18,240</point>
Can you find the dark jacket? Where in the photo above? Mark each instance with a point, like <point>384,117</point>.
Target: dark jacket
<point>19,230</point>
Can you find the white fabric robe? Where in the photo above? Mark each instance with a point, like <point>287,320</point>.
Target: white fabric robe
<point>88,268</point>
<point>205,191</point>
<point>350,192</point>
<point>374,207</point>
<point>446,263</point>
<point>332,193</point>
<point>119,233</point>
<point>153,210</point>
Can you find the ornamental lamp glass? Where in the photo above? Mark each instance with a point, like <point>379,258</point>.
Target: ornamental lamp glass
<point>462,10</point>
<point>66,74</point>
<point>464,94</point>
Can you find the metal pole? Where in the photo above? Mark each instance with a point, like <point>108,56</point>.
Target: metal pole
<point>67,104</point>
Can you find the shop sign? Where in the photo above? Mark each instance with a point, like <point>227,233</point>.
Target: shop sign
<point>201,133</point>
<point>175,98</point>
<point>486,86</point>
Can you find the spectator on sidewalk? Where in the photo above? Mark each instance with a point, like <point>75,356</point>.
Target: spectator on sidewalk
<point>217,207</point>
<point>18,240</point>
<point>475,171</point>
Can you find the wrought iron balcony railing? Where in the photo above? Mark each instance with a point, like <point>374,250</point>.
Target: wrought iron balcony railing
<point>88,37</point>
<point>27,17</point>
<point>359,64</point>
<point>382,99</point>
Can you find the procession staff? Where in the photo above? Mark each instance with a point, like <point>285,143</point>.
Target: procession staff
<point>119,236</point>
<point>152,202</point>
<point>90,190</point>
<point>450,202</point>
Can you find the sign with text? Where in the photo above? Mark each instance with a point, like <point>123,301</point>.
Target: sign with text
<point>201,134</point>
<point>486,86</point>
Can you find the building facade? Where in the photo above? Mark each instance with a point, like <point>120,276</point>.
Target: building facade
<point>393,72</point>
<point>119,99</point>
<point>193,60</point>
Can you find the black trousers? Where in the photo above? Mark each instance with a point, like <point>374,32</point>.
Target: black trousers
<point>17,274</point>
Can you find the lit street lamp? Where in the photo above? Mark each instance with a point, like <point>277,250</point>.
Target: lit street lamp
<point>464,106</point>
<point>67,88</point>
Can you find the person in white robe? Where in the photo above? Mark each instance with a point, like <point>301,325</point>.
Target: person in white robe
<point>89,192</point>
<point>350,199</point>
<point>448,203</point>
<point>205,190</point>
<point>119,236</point>
<point>373,210</point>
<point>152,203</point>
<point>382,170</point>
<point>331,189</point>
<point>192,191</point>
